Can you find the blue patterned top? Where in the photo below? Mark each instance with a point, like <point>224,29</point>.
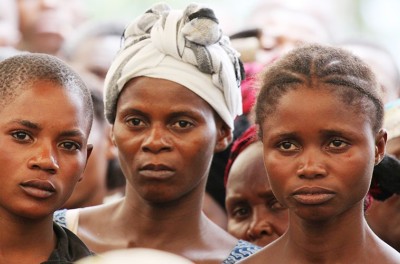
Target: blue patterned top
<point>242,249</point>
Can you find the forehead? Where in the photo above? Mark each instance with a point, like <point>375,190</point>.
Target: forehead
<point>161,94</point>
<point>315,109</point>
<point>248,167</point>
<point>51,102</point>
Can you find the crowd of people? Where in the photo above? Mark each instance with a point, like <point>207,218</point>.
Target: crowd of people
<point>161,137</point>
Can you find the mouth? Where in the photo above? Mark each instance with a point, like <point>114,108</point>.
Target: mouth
<point>156,171</point>
<point>313,195</point>
<point>38,188</point>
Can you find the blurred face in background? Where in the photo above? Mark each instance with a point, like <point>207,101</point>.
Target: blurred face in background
<point>9,33</point>
<point>283,29</point>
<point>45,24</point>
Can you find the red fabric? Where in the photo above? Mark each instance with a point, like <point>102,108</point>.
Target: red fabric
<point>249,90</point>
<point>248,137</point>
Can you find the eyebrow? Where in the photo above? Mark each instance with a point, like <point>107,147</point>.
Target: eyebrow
<point>36,126</point>
<point>27,124</point>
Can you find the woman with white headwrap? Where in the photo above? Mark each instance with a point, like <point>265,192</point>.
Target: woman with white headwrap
<point>171,95</point>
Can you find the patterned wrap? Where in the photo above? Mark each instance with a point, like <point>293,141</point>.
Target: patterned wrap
<point>183,46</point>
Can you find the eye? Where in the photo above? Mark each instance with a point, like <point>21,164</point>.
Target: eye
<point>287,146</point>
<point>70,145</point>
<point>241,212</point>
<point>134,122</point>
<point>21,136</point>
<point>337,144</point>
<point>182,124</point>
<point>275,205</point>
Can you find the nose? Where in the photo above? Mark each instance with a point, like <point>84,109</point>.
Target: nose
<point>44,158</point>
<point>260,226</point>
<point>157,140</point>
<point>311,165</point>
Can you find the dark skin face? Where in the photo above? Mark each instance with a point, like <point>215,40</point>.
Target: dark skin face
<point>166,136</point>
<point>43,155</point>
<point>254,214</point>
<point>319,154</point>
<point>322,166</point>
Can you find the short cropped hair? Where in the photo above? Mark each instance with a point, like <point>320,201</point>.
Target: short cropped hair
<point>321,67</point>
<point>17,74</point>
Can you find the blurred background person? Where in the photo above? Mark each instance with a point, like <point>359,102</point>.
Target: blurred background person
<point>45,24</point>
<point>93,189</point>
<point>90,51</point>
<point>273,29</point>
<point>9,32</point>
<point>93,46</point>
<point>383,214</point>
<point>381,62</point>
<point>254,214</point>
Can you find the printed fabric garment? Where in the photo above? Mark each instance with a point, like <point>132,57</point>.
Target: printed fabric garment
<point>69,247</point>
<point>242,250</point>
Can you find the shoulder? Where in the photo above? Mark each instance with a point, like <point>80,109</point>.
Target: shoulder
<point>69,247</point>
<point>242,250</point>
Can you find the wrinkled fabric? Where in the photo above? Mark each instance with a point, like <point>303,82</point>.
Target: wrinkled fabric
<point>183,46</point>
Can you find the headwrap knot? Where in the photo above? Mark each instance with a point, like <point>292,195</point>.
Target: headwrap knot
<point>186,47</point>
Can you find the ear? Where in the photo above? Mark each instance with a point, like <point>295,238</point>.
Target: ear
<point>380,145</point>
<point>111,148</point>
<point>224,137</point>
<point>112,136</point>
<point>89,150</point>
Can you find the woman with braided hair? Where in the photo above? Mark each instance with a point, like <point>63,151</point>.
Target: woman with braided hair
<point>320,118</point>
<point>171,96</point>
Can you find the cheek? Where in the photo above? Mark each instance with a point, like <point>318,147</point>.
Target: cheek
<point>277,175</point>
<point>236,229</point>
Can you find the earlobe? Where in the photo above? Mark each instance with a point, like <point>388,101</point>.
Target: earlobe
<point>112,136</point>
<point>380,146</point>
<point>225,137</point>
<point>111,148</point>
<point>89,150</point>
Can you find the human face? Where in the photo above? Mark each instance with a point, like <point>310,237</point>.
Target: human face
<point>45,24</point>
<point>94,177</point>
<point>254,214</point>
<point>96,55</point>
<point>9,33</point>
<point>166,136</point>
<point>319,155</point>
<point>43,150</point>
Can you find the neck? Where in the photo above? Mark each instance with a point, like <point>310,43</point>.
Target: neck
<point>178,217</point>
<point>22,238</point>
<point>328,240</point>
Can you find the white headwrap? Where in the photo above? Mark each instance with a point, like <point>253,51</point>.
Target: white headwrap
<point>186,47</point>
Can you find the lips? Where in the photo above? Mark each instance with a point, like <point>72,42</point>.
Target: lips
<point>313,195</point>
<point>38,188</point>
<point>156,171</point>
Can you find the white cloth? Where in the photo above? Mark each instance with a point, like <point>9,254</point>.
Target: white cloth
<point>186,47</point>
